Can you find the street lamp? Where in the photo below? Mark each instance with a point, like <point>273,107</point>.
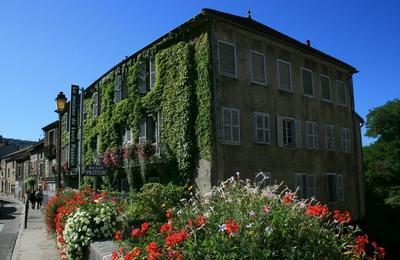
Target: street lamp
<point>61,100</point>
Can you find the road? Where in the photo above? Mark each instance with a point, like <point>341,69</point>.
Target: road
<point>10,221</point>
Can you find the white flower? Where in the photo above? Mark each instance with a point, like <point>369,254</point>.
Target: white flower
<point>268,230</point>
<point>222,228</point>
<point>252,213</point>
<point>249,225</point>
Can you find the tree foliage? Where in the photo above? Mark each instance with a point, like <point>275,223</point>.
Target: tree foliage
<point>382,172</point>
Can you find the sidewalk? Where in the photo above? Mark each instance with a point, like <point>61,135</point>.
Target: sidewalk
<point>33,243</point>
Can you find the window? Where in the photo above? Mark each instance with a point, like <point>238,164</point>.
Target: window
<point>257,64</point>
<point>230,125</point>
<point>142,83</point>
<point>152,67</point>
<point>227,59</point>
<point>345,135</point>
<point>325,88</point>
<point>126,135</point>
<point>305,185</point>
<point>98,139</point>
<point>330,137</point>
<point>308,88</point>
<point>284,75</point>
<point>95,99</point>
<point>117,89</point>
<point>261,127</point>
<point>335,190</point>
<point>312,134</point>
<point>262,179</point>
<point>341,93</point>
<point>289,132</point>
<point>146,130</point>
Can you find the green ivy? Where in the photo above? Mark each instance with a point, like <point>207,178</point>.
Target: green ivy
<point>182,96</point>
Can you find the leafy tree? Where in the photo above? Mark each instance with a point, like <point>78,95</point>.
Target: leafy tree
<point>382,176</point>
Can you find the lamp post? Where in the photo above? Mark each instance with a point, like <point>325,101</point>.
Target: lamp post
<point>61,100</point>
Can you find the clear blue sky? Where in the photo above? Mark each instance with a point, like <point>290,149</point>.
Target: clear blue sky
<point>45,46</point>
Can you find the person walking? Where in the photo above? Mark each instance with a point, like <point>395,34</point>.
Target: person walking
<point>32,198</point>
<point>39,197</point>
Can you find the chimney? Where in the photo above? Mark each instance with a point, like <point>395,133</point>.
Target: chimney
<point>308,43</point>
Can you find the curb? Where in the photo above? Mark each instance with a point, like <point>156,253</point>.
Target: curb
<point>20,231</point>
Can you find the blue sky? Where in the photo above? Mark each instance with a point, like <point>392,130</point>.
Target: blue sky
<point>45,46</point>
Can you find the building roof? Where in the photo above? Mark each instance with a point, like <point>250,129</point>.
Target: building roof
<point>251,24</point>
<point>240,21</point>
<point>6,150</point>
<point>37,146</point>
<point>19,155</point>
<point>50,126</point>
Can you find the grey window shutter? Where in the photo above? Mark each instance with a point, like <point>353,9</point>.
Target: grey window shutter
<point>340,190</point>
<point>257,68</point>
<point>254,124</point>
<point>311,186</point>
<point>227,59</point>
<point>235,126</point>
<point>297,128</point>
<point>279,131</point>
<point>152,72</point>
<point>95,104</point>
<point>298,184</point>
<point>316,136</point>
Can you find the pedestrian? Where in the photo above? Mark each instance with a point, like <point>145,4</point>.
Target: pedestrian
<point>39,197</point>
<point>32,198</point>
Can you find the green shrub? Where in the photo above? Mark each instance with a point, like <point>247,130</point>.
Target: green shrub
<point>152,200</point>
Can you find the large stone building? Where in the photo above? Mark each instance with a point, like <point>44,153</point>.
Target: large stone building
<point>224,94</point>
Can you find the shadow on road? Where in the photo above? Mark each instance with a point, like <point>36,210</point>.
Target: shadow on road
<point>7,212</point>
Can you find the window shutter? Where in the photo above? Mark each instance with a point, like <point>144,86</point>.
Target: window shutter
<point>311,186</point>
<point>331,187</point>
<point>152,72</point>
<point>267,131</point>
<point>257,67</point>
<point>254,124</point>
<point>284,75</point>
<point>142,85</point>
<point>299,184</point>
<point>279,131</point>
<point>117,89</point>
<point>316,140</point>
<point>340,190</point>
<point>235,127</point>
<point>297,128</point>
<point>95,104</point>
<point>227,64</point>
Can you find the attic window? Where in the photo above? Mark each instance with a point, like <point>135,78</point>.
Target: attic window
<point>227,59</point>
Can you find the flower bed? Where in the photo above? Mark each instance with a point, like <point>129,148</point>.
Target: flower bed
<point>77,217</point>
<point>239,220</point>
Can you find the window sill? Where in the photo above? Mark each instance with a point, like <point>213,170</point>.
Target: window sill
<point>329,101</point>
<point>227,75</point>
<point>255,83</point>
<point>226,143</point>
<point>308,96</point>
<point>285,92</point>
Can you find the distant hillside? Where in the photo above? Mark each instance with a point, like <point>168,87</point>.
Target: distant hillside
<point>17,142</point>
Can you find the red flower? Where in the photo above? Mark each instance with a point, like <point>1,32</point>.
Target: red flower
<point>190,223</point>
<point>168,213</point>
<point>265,209</point>
<point>176,238</point>
<point>379,251</point>
<point>144,227</point>
<point>114,256</point>
<point>360,242</point>
<point>166,228</point>
<point>118,235</point>
<point>342,217</point>
<point>133,254</point>
<point>136,233</point>
<point>176,254</point>
<point>231,227</point>
<point>201,220</point>
<point>317,210</point>
<point>288,198</point>
<point>153,250</point>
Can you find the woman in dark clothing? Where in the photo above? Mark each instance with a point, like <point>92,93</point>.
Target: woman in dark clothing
<point>32,198</point>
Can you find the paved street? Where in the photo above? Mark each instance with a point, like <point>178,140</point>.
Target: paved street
<point>11,216</point>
